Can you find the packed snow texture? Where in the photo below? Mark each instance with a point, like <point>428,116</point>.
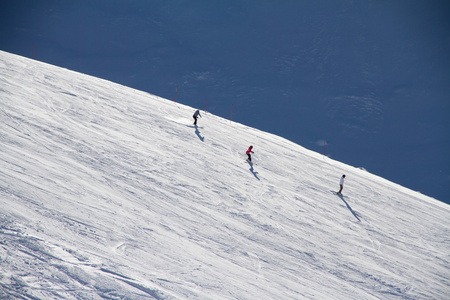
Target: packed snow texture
<point>111,193</point>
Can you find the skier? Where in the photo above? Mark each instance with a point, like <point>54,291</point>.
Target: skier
<point>341,184</point>
<point>195,116</point>
<point>248,153</point>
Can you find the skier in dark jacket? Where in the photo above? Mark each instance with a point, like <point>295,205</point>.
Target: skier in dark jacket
<point>195,116</point>
<point>248,153</point>
<point>341,184</point>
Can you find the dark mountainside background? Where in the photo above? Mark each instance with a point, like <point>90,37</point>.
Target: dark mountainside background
<point>371,78</point>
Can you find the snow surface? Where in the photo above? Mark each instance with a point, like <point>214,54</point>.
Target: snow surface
<point>110,193</point>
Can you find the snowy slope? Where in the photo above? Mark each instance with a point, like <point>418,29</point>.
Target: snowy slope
<point>110,193</point>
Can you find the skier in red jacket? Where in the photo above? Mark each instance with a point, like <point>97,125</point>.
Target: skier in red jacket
<point>248,153</point>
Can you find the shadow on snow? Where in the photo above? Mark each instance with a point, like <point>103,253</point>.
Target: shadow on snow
<point>197,132</point>
<point>348,206</point>
<point>253,170</point>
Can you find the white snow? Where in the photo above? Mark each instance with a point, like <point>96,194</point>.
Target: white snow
<point>110,193</point>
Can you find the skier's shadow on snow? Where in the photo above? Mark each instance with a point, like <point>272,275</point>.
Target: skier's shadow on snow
<point>348,206</point>
<point>253,170</point>
<point>197,132</point>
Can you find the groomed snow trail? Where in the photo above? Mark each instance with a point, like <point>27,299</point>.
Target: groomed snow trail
<point>110,193</point>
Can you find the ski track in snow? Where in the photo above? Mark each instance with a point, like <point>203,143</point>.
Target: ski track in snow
<point>111,193</point>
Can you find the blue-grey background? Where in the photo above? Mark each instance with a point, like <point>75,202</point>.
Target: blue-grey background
<point>369,77</point>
